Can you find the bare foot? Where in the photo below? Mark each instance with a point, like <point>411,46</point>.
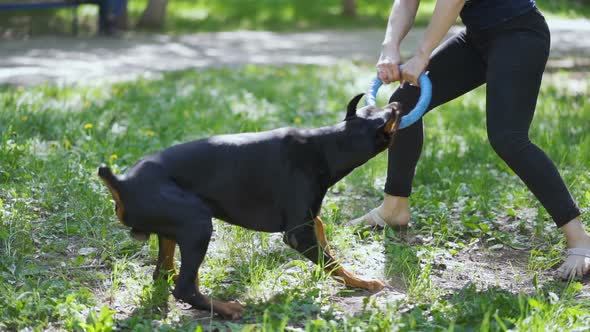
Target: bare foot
<point>577,263</point>
<point>394,211</point>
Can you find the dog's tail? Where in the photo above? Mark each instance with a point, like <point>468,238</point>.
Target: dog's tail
<point>114,184</point>
<point>110,179</point>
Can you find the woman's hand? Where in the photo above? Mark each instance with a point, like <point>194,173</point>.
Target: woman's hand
<point>388,66</point>
<point>401,18</point>
<point>412,69</point>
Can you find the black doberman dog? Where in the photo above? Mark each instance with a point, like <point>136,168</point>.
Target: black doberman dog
<point>271,181</point>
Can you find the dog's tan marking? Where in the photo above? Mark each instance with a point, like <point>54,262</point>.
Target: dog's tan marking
<point>320,233</point>
<point>165,257</point>
<point>336,270</point>
<point>119,203</point>
<point>350,279</point>
<point>229,310</point>
<point>393,124</point>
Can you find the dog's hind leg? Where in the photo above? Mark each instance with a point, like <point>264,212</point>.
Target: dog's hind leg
<point>313,244</point>
<point>193,233</point>
<point>165,263</point>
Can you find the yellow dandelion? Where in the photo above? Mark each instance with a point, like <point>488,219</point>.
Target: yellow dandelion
<point>150,132</point>
<point>113,157</point>
<point>88,126</point>
<point>67,144</point>
<point>297,120</point>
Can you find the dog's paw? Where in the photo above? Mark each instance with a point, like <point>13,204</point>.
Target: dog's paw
<point>229,310</point>
<point>375,285</point>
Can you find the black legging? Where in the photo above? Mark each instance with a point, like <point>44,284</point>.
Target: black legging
<point>510,58</point>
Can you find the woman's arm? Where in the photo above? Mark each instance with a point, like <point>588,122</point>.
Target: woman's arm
<point>401,19</point>
<point>444,16</point>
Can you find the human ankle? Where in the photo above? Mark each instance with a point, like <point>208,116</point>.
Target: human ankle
<point>575,234</point>
<point>395,209</point>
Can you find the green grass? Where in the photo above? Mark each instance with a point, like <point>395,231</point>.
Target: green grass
<point>186,16</point>
<point>65,263</point>
<point>563,8</point>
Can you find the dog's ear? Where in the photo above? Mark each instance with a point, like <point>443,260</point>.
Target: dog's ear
<point>351,108</point>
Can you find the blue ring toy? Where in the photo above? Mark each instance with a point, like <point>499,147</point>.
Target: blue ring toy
<point>421,106</point>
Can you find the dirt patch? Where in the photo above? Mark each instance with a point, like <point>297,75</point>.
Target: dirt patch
<point>360,301</point>
<point>505,268</point>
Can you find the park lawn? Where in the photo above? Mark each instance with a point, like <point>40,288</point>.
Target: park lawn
<point>479,255</point>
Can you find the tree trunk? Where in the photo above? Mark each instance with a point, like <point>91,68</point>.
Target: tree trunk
<point>154,14</point>
<point>349,8</point>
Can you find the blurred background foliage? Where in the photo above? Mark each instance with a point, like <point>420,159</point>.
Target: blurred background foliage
<point>185,16</point>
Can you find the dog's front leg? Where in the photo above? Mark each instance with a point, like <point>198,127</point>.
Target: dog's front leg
<point>310,240</point>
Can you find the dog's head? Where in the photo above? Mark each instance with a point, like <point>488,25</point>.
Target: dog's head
<point>373,127</point>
